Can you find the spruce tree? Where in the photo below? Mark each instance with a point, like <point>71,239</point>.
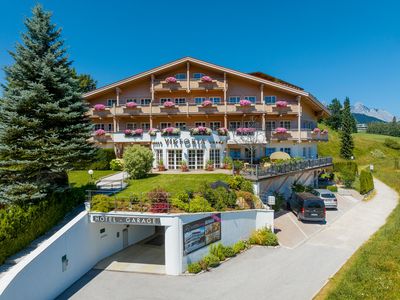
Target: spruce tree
<point>335,120</point>
<point>346,140</point>
<point>43,127</point>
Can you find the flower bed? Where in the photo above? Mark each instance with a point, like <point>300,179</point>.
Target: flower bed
<point>206,79</point>
<point>169,104</point>
<point>171,80</point>
<point>245,131</point>
<point>170,131</point>
<point>207,103</point>
<point>133,132</point>
<point>200,131</point>
<point>99,107</point>
<point>281,130</point>
<point>245,103</point>
<point>100,132</point>
<point>131,105</point>
<point>281,104</point>
<point>222,131</point>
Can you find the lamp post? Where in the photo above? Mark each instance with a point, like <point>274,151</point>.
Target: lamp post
<point>90,172</point>
<point>371,168</point>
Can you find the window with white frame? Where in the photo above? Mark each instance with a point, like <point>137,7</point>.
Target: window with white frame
<point>164,125</point>
<point>106,127</point>
<point>248,153</point>
<point>270,125</point>
<point>200,124</point>
<point>131,100</point>
<point>215,157</point>
<point>131,126</point>
<point>285,124</point>
<point>250,124</point>
<point>234,125</point>
<point>198,75</point>
<point>269,151</point>
<point>180,76</point>
<point>181,125</point>
<point>163,100</point>
<point>252,99</point>
<point>111,102</point>
<point>180,101</point>
<point>145,126</point>
<point>234,99</point>
<point>199,100</point>
<point>270,100</point>
<point>215,125</point>
<point>145,101</point>
<point>215,100</point>
<point>286,150</point>
<point>159,156</point>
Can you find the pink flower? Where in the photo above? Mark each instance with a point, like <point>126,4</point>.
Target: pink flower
<point>207,103</point>
<point>99,107</point>
<point>281,104</point>
<point>222,131</point>
<point>206,79</point>
<point>281,130</point>
<point>139,131</point>
<point>245,130</point>
<point>316,130</point>
<point>128,131</point>
<point>131,104</point>
<point>245,102</point>
<point>170,80</point>
<point>325,131</point>
<point>169,104</point>
<point>100,132</point>
<point>169,129</point>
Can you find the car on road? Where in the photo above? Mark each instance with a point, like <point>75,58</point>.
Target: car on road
<point>308,207</point>
<point>329,198</point>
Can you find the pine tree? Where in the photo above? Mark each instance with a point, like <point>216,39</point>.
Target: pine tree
<point>346,140</point>
<point>86,82</point>
<point>335,120</point>
<point>43,127</point>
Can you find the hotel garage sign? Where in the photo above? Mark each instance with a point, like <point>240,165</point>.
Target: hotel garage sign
<point>134,220</point>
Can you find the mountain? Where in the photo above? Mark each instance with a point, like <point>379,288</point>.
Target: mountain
<point>377,113</point>
<point>364,119</point>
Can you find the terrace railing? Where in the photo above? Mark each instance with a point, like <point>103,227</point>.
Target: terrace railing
<point>275,169</point>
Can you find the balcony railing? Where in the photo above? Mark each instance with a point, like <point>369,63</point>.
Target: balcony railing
<point>260,172</point>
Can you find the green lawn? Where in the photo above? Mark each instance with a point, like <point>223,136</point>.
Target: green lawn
<point>373,272</point>
<point>81,177</point>
<point>172,183</point>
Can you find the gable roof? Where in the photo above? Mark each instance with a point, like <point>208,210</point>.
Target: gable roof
<point>258,77</point>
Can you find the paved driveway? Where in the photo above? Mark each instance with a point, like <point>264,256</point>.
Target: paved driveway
<point>296,272</point>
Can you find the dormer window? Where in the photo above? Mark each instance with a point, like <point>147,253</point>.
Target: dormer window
<point>180,76</point>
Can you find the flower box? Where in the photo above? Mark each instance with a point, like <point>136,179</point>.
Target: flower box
<point>245,131</point>
<point>200,131</point>
<point>245,103</point>
<point>134,132</point>
<point>99,107</point>
<point>170,131</point>
<point>325,131</point>
<point>169,104</point>
<point>281,130</point>
<point>281,104</point>
<point>100,132</point>
<point>153,131</point>
<point>206,79</point>
<point>222,131</point>
<point>131,105</point>
<point>171,80</point>
<point>207,103</point>
<point>316,130</point>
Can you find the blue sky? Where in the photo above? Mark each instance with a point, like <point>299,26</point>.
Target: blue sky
<point>330,48</point>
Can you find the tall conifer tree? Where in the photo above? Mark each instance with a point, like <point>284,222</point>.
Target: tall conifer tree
<point>43,127</point>
<point>346,140</point>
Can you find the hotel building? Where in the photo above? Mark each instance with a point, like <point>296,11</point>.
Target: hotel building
<point>197,111</point>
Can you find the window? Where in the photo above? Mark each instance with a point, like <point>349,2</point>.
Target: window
<point>215,157</point>
<point>106,127</point>
<point>145,101</point>
<point>269,151</point>
<point>199,100</point>
<point>159,155</point>
<point>270,125</point>
<point>285,124</point>
<point>248,152</point>
<point>180,101</point>
<point>131,100</point>
<point>196,159</point>
<point>287,150</point>
<point>270,99</point>
<point>181,125</point>
<point>131,126</point>
<point>165,125</point>
<point>234,100</point>
<point>197,75</point>
<point>145,126</point>
<point>180,76</point>
<point>198,124</point>
<point>234,125</point>
<point>163,100</point>
<point>215,100</point>
<point>234,153</point>
<point>215,125</point>
<point>174,159</point>
<point>111,102</point>
<point>250,124</point>
<point>252,99</point>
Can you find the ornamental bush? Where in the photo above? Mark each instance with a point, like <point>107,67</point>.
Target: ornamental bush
<point>138,161</point>
<point>194,268</point>
<point>332,188</point>
<point>117,164</point>
<point>218,250</point>
<point>263,237</point>
<point>212,261</point>
<point>239,246</point>
<point>366,182</point>
<point>229,252</point>
<point>101,203</point>
<point>199,204</point>
<point>239,183</point>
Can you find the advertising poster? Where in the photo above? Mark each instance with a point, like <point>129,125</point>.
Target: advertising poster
<point>200,233</point>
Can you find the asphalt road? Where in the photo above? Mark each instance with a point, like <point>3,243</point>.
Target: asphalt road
<point>293,271</point>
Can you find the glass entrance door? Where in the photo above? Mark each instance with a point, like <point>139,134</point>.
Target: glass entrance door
<point>196,159</point>
<point>174,159</point>
<point>215,157</point>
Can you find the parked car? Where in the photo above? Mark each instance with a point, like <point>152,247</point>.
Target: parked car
<point>328,197</point>
<point>308,207</point>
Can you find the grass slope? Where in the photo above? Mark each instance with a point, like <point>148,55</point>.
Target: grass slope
<point>81,177</point>
<point>373,272</point>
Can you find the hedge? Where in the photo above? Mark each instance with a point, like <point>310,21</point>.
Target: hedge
<point>20,225</point>
<point>345,167</point>
<point>366,182</point>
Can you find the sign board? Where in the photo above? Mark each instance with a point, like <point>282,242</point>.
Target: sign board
<point>271,200</point>
<point>134,220</point>
<point>201,233</point>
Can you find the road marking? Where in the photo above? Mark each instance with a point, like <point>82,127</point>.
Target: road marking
<point>297,225</point>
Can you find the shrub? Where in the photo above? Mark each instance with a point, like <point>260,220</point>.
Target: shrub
<point>239,246</point>
<point>199,204</point>
<point>179,203</point>
<point>238,182</point>
<point>138,161</point>
<point>212,261</point>
<point>101,203</point>
<point>346,167</point>
<point>194,268</point>
<point>376,153</point>
<point>228,251</point>
<point>332,188</point>
<point>203,264</point>
<point>158,195</point>
<point>228,162</point>
<point>264,237</point>
<point>238,165</point>
<point>218,250</point>
<point>245,199</point>
<point>223,198</point>
<point>102,159</point>
<point>366,182</point>
<point>117,164</point>
<point>391,143</point>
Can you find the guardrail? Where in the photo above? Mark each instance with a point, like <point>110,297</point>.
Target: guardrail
<point>259,171</point>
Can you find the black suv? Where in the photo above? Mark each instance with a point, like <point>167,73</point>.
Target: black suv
<point>308,207</point>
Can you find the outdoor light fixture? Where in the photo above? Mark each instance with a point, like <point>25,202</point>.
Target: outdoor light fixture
<point>90,172</point>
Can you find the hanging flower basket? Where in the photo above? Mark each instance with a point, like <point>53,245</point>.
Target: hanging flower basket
<point>133,132</point>
<point>281,130</point>
<point>169,104</point>
<point>245,131</point>
<point>316,130</point>
<point>100,132</point>
<point>99,107</point>
<point>245,103</point>
<point>153,131</point>
<point>281,104</point>
<point>170,131</point>
<point>171,80</point>
<point>207,103</point>
<point>131,105</point>
<point>222,131</point>
<point>200,131</point>
<point>206,79</point>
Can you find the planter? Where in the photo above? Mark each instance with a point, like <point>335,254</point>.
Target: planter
<point>161,168</point>
<point>206,79</point>
<point>210,168</point>
<point>171,80</point>
<point>99,107</point>
<point>245,103</point>
<point>200,131</point>
<point>169,104</point>
<point>131,105</point>
<point>184,168</point>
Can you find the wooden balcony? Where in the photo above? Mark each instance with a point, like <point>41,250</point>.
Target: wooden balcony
<point>194,84</point>
<point>101,114</point>
<point>215,84</point>
<point>127,111</point>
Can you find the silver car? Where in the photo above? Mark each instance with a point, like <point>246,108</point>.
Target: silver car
<point>328,197</point>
